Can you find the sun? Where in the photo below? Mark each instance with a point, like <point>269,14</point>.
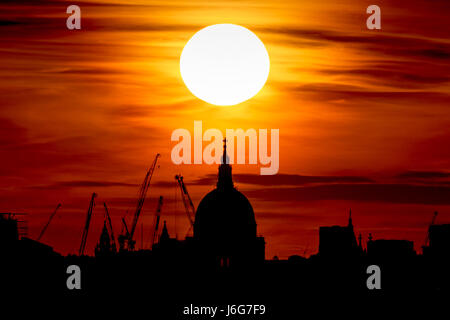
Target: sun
<point>224,64</point>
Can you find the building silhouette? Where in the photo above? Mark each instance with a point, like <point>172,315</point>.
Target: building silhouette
<point>339,241</point>
<point>14,243</point>
<point>9,230</point>
<point>225,230</point>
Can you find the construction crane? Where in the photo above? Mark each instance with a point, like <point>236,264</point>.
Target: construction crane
<point>140,203</point>
<point>124,235</point>
<point>48,222</point>
<point>86,225</point>
<point>157,218</point>
<point>110,228</point>
<point>427,238</point>
<point>187,201</point>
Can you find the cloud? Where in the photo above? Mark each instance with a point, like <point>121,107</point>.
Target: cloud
<point>84,183</point>
<point>295,179</point>
<point>283,216</point>
<point>334,92</point>
<point>207,180</point>
<point>66,3</point>
<point>386,44</point>
<point>438,178</point>
<point>283,179</point>
<point>383,193</point>
<point>86,71</point>
<point>23,156</point>
<point>423,175</point>
<point>4,23</point>
<point>164,184</point>
<point>393,74</point>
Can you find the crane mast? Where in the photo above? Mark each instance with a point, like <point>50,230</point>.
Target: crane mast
<point>48,222</point>
<point>157,219</point>
<point>187,201</point>
<point>86,226</point>
<point>111,232</point>
<point>124,235</point>
<point>140,203</point>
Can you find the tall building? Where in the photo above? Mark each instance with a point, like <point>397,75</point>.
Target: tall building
<point>225,230</point>
<point>9,231</point>
<point>338,240</point>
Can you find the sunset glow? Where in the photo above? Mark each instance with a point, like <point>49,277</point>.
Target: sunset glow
<point>363,115</point>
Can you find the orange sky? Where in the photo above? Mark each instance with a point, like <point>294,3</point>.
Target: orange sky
<point>363,115</point>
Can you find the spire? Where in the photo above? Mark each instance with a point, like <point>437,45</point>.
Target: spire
<point>225,179</point>
<point>104,243</point>
<point>164,233</point>
<point>224,156</point>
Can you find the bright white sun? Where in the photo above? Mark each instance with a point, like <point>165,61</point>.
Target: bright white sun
<point>224,64</point>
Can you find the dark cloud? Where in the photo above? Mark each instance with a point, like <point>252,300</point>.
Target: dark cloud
<point>437,178</point>
<point>423,175</point>
<point>43,25</point>
<point>121,112</point>
<point>84,183</point>
<point>48,18</point>
<point>207,180</point>
<point>399,75</point>
<point>150,204</point>
<point>283,179</point>
<point>295,179</point>
<point>4,23</point>
<point>439,53</point>
<point>383,193</point>
<point>86,71</point>
<point>281,216</point>
<point>332,92</point>
<point>382,44</point>
<point>125,25</point>
<point>164,184</point>
<point>66,3</point>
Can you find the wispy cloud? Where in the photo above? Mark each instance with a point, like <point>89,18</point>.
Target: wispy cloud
<point>424,175</point>
<point>375,193</point>
<point>84,183</point>
<point>281,179</point>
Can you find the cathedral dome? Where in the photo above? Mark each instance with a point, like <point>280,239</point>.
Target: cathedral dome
<point>225,215</point>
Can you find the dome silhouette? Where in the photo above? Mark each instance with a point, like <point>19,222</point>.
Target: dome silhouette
<point>225,224</point>
<point>225,215</point>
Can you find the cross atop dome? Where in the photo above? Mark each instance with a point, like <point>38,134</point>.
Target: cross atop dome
<point>225,158</point>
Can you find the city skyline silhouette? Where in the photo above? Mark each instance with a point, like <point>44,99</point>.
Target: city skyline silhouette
<point>223,255</point>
